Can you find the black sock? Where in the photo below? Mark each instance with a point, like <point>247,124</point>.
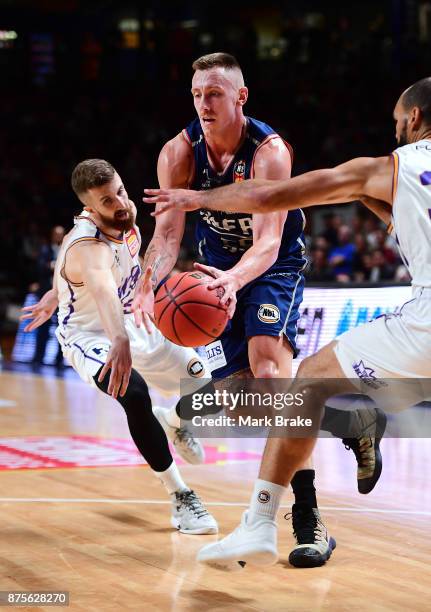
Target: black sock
<point>303,488</point>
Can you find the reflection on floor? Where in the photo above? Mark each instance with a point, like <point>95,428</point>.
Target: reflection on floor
<point>102,532</point>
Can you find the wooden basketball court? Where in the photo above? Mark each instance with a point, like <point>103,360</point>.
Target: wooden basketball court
<point>77,514</point>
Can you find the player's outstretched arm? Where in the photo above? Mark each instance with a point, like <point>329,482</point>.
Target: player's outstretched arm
<point>43,310</point>
<point>173,170</point>
<point>93,261</point>
<point>363,176</point>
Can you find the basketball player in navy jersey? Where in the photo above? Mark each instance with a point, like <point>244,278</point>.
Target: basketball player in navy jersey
<point>258,259</point>
<point>374,358</point>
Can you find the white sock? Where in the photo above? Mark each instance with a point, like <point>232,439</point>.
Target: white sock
<point>265,501</point>
<point>172,479</point>
<point>172,418</point>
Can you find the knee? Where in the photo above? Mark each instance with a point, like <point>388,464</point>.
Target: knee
<point>308,368</point>
<point>266,368</point>
<point>137,399</point>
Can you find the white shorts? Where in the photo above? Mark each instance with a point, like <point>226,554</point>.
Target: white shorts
<point>396,346</point>
<point>162,364</point>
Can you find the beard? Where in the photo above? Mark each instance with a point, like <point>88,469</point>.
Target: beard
<point>403,140</point>
<point>121,222</point>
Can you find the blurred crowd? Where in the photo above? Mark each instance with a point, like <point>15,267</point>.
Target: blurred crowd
<point>327,83</point>
<point>361,251</point>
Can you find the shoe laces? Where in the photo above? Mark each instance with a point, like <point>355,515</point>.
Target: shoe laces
<point>307,524</point>
<point>183,434</point>
<point>363,449</point>
<point>191,502</point>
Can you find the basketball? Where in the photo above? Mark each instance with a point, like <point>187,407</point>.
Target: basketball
<point>187,312</point>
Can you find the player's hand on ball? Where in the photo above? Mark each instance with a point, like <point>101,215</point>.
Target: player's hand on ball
<point>40,312</point>
<point>119,361</point>
<point>143,301</point>
<point>226,281</point>
<point>168,199</point>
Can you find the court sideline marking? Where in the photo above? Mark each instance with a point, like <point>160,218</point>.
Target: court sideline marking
<point>79,500</point>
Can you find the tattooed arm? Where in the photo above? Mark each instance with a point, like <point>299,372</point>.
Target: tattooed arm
<point>174,170</point>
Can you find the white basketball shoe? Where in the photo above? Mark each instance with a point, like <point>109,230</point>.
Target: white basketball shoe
<point>189,515</point>
<point>254,543</point>
<point>190,449</point>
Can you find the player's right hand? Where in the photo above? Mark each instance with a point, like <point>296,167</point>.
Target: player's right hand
<point>119,361</point>
<point>40,312</point>
<point>168,199</point>
<point>143,301</point>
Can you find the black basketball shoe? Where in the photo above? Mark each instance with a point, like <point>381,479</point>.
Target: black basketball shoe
<point>367,448</point>
<point>314,545</point>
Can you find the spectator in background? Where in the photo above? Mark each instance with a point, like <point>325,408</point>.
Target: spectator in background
<point>45,264</point>
<point>319,269</point>
<point>371,225</point>
<point>386,244</point>
<point>333,223</point>
<point>341,257</point>
<point>361,258</point>
<point>362,269</point>
<point>380,268</point>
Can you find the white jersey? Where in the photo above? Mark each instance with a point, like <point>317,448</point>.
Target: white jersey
<point>411,211</point>
<point>77,308</point>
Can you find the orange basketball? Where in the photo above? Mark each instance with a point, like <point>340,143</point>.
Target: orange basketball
<point>187,312</point>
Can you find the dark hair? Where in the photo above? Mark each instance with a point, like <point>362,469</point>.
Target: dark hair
<point>419,94</point>
<point>91,173</point>
<point>212,60</point>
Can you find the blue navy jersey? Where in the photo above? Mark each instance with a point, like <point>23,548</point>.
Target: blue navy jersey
<point>223,237</point>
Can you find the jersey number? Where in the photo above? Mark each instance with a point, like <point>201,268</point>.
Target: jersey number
<point>236,245</point>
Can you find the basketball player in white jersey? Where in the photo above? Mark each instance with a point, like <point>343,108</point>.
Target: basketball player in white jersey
<point>95,279</point>
<point>369,358</point>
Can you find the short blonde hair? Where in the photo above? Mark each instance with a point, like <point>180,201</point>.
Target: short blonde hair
<point>213,60</point>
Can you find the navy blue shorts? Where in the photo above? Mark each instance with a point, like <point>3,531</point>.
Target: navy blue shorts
<point>268,306</point>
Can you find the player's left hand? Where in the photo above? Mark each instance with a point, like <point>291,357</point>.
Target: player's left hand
<point>40,312</point>
<point>226,281</point>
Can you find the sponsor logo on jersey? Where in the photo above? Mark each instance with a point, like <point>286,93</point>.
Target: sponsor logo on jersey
<point>264,496</point>
<point>367,375</point>
<point>268,313</point>
<point>132,242</point>
<point>239,171</point>
<point>195,368</point>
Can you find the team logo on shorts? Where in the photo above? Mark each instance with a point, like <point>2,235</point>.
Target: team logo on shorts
<point>195,368</point>
<point>263,497</point>
<point>239,171</point>
<point>268,313</point>
<point>368,376</point>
